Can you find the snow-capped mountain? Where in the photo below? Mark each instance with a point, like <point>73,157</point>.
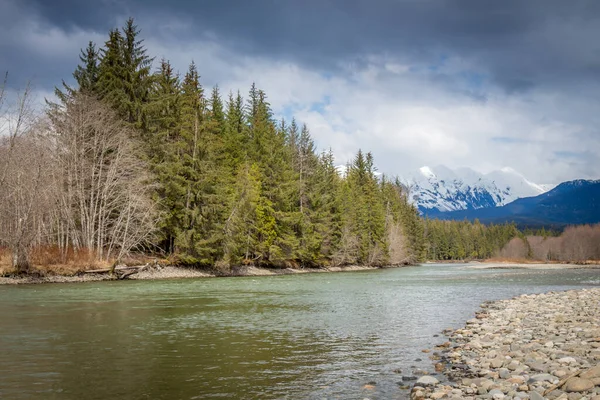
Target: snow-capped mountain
<point>441,189</point>
<point>570,203</point>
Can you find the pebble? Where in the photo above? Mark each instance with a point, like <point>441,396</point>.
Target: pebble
<point>427,381</point>
<point>535,396</point>
<point>520,348</point>
<point>592,373</point>
<point>578,385</point>
<point>543,378</point>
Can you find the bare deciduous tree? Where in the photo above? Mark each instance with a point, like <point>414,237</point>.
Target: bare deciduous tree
<point>398,246</point>
<point>104,204</point>
<point>24,173</point>
<point>515,249</point>
<point>75,180</point>
<point>26,197</point>
<point>575,244</point>
<point>580,243</point>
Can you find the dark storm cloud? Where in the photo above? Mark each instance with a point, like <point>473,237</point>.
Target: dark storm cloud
<point>520,44</point>
<point>478,83</point>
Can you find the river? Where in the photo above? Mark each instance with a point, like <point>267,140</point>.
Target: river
<point>308,336</point>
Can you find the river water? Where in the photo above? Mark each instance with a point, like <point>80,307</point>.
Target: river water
<point>310,336</point>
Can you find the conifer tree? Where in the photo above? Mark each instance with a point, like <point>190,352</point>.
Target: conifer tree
<point>307,161</point>
<point>321,216</point>
<point>124,78</point>
<point>293,141</point>
<point>136,74</point>
<point>111,73</point>
<point>193,110</point>
<point>234,140</point>
<point>164,148</point>
<point>86,74</point>
<point>242,224</point>
<point>216,108</point>
<point>210,186</point>
<point>312,178</point>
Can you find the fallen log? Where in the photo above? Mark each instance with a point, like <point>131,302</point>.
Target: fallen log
<point>134,271</point>
<point>119,268</point>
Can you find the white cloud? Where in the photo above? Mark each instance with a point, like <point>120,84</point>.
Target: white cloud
<point>407,115</point>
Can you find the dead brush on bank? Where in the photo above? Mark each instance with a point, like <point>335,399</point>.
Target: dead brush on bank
<point>55,261</point>
<point>51,260</point>
<point>518,260</point>
<point>6,267</point>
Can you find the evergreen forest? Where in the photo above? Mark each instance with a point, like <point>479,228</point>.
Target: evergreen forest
<point>140,158</point>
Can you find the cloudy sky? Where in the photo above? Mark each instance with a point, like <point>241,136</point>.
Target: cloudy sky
<point>417,82</point>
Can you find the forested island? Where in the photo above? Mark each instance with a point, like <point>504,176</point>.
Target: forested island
<point>136,161</point>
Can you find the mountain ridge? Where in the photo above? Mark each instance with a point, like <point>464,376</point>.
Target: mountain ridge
<point>441,189</point>
<point>569,203</point>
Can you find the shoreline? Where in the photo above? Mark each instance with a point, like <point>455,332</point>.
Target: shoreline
<point>541,346</point>
<point>157,272</point>
<point>172,272</point>
<point>521,265</point>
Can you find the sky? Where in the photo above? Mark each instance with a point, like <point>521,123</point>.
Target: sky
<point>464,83</point>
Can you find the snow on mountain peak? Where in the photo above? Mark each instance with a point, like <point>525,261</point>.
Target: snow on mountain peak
<point>426,172</point>
<point>509,170</point>
<point>516,182</point>
<point>445,189</point>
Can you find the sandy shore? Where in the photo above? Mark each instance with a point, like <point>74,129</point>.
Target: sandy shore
<point>170,272</point>
<point>529,347</point>
<point>509,265</point>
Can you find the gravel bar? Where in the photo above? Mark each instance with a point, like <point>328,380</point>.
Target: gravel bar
<point>529,347</point>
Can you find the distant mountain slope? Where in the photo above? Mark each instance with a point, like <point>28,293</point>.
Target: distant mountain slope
<point>573,202</point>
<point>440,189</point>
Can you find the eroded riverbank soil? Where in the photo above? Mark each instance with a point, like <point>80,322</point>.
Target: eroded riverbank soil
<point>529,347</point>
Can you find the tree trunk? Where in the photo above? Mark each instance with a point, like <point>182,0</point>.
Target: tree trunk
<point>21,260</point>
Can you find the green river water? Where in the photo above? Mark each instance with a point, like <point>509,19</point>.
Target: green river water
<point>310,336</point>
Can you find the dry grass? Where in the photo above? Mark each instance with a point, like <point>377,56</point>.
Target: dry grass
<point>50,260</point>
<point>512,260</point>
<point>6,267</point>
<point>589,262</point>
<point>506,260</point>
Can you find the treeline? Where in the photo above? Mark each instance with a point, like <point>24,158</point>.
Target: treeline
<point>131,158</point>
<point>464,240</point>
<point>135,159</point>
<point>575,244</point>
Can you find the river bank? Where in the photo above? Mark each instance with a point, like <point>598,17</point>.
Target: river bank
<point>522,265</point>
<point>152,272</point>
<point>173,272</point>
<point>528,347</point>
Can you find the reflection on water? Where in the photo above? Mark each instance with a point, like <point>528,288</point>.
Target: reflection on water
<point>303,336</point>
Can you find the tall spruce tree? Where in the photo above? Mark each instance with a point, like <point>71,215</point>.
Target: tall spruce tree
<point>111,73</point>
<point>124,76</point>
<point>136,74</point>
<point>211,191</point>
<point>234,138</point>
<point>86,74</point>
<point>164,148</point>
